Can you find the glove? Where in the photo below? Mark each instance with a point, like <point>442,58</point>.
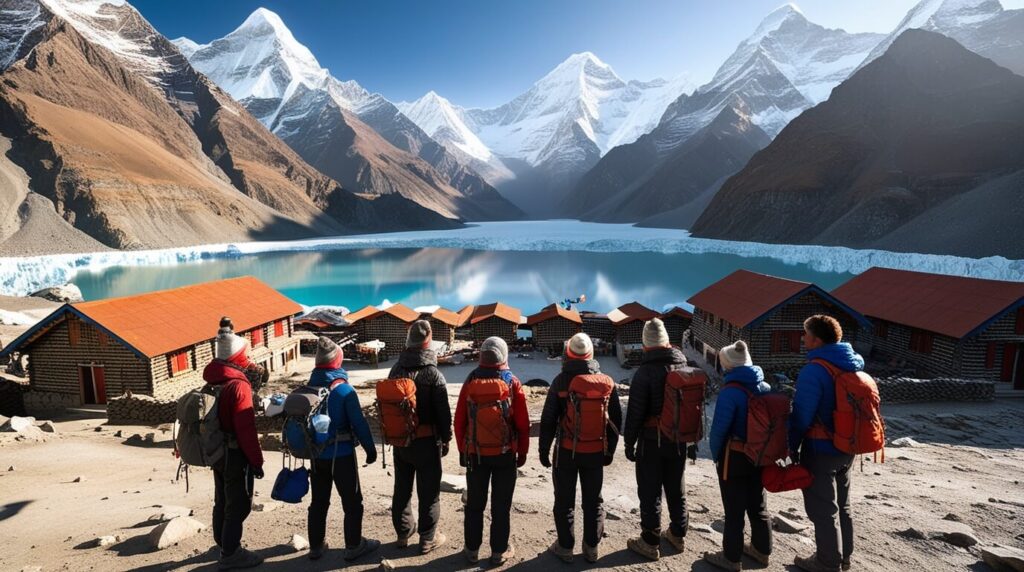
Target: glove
<point>521,460</point>
<point>607,460</point>
<point>444,448</point>
<point>545,459</point>
<point>631,453</point>
<point>462,460</point>
<point>691,452</point>
<point>257,472</point>
<point>371,455</point>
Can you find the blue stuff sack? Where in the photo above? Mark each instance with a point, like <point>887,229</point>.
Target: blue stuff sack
<point>291,485</point>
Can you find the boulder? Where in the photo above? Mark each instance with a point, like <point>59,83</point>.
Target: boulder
<point>18,424</point>
<point>66,294</point>
<point>47,426</point>
<point>453,483</point>
<point>904,442</point>
<point>952,532</point>
<point>174,531</point>
<point>787,526</point>
<point>298,543</point>
<point>1003,558</point>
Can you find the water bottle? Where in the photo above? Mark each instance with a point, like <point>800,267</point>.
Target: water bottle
<point>321,423</point>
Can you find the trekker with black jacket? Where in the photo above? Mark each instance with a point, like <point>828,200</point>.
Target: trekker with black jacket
<point>586,463</point>
<point>660,463</point>
<point>420,462</point>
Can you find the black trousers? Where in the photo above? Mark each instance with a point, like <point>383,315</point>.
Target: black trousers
<point>499,472</point>
<point>232,499</point>
<point>588,468</point>
<point>661,470</point>
<point>343,473</point>
<point>743,495</point>
<point>419,464</point>
<point>827,502</point>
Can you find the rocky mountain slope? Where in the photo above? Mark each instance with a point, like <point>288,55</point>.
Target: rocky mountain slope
<point>356,137</point>
<point>787,65</point>
<point>134,148</point>
<point>906,144</point>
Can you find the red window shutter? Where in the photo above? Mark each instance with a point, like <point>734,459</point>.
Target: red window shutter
<point>74,332</point>
<point>279,329</point>
<point>794,342</point>
<point>257,337</point>
<point>777,342</point>
<point>990,355</point>
<point>927,343</point>
<point>882,330</point>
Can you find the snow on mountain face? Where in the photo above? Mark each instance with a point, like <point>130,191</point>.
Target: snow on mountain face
<point>186,46</point>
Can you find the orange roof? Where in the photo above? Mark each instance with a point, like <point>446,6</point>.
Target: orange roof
<point>554,311</point>
<point>951,305</point>
<point>361,313</point>
<point>447,317</point>
<point>677,311</point>
<point>160,322</point>
<point>464,315</point>
<point>400,311</point>
<point>631,312</point>
<point>497,309</point>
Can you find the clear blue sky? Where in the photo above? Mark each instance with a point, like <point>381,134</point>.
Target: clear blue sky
<point>485,52</point>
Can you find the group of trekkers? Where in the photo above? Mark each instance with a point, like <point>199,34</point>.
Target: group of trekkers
<point>579,431</point>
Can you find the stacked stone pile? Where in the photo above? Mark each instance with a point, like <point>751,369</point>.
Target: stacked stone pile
<point>907,389</point>
<point>143,409</point>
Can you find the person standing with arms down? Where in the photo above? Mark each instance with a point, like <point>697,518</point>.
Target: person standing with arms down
<point>582,413</point>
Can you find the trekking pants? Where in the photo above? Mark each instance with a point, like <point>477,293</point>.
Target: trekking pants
<point>343,472</point>
<point>500,473</point>
<point>419,463</point>
<point>827,502</point>
<point>661,470</point>
<point>232,499</point>
<point>744,495</point>
<point>589,469</point>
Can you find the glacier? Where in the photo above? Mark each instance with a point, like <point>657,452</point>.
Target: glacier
<point>20,276</point>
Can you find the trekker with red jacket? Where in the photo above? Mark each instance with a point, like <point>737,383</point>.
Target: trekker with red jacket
<point>243,460</point>
<point>492,431</point>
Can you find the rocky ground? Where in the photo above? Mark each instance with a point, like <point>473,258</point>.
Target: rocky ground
<point>953,487</point>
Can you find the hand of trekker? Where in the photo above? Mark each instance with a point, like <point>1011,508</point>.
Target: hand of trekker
<point>631,453</point>
<point>607,460</point>
<point>545,459</point>
<point>371,455</point>
<point>691,452</point>
<point>444,448</point>
<point>521,460</point>
<point>257,472</point>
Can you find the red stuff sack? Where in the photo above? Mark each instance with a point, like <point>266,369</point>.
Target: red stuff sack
<point>778,479</point>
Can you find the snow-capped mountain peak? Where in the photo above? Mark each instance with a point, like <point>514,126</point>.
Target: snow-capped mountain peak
<point>187,46</point>
<point>444,122</point>
<point>775,19</point>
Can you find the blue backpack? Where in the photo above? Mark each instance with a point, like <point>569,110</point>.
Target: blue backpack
<point>307,421</point>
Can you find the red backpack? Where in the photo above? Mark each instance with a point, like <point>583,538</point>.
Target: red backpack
<point>767,427</point>
<point>585,424</point>
<point>859,427</point>
<point>682,410</point>
<point>489,404</point>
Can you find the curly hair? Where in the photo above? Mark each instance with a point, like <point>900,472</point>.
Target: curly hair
<point>825,328</point>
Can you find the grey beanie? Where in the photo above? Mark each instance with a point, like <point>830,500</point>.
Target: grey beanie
<point>655,335</point>
<point>419,334</point>
<point>494,351</point>
<point>327,351</point>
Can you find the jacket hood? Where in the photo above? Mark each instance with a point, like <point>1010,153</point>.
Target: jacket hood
<point>664,356</point>
<point>580,366</point>
<point>417,357</point>
<point>219,372</point>
<point>750,377</point>
<point>840,355</point>
<point>322,377</point>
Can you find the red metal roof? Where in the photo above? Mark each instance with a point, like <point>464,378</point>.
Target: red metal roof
<point>554,311</point>
<point>497,309</point>
<point>743,296</point>
<point>631,312</point>
<point>951,305</point>
<point>677,311</point>
<point>160,322</point>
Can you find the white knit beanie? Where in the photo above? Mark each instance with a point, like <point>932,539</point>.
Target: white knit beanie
<point>735,355</point>
<point>655,335</point>
<point>579,347</point>
<point>227,344</point>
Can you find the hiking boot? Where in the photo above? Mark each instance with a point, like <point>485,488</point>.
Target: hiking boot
<point>590,553</point>
<point>564,553</point>
<point>428,546</point>
<point>678,542</point>
<point>846,564</point>
<point>812,564</point>
<point>316,553</point>
<point>472,556</point>
<point>499,558</point>
<point>366,546</point>
<point>754,553</point>
<point>242,558</point>
<point>404,541</point>
<point>718,560</point>
<point>641,547</point>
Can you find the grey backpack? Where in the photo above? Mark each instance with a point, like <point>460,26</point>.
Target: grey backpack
<point>198,438</point>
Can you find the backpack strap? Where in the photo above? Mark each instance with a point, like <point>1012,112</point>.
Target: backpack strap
<point>818,430</point>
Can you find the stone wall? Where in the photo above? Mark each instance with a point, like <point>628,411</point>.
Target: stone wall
<point>48,402</point>
<point>906,390</point>
<point>141,409</point>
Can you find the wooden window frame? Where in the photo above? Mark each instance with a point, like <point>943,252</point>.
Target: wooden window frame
<point>882,330</point>
<point>179,362</point>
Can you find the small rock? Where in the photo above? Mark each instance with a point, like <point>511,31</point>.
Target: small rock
<point>610,515</point>
<point>912,533</point>
<point>270,506</point>
<point>10,469</point>
<point>387,564</point>
<point>961,539</point>
<point>118,433</point>
<point>702,528</point>
<point>98,429</point>
<point>787,526</point>
<point>47,426</point>
<point>952,517</point>
<point>718,525</point>
<point>792,514</point>
<point>904,442</point>
<point>174,531</point>
<point>78,479</point>
<point>1003,558</point>
<point>170,512</point>
<point>697,508</point>
<point>298,543</point>
<point>32,569</point>
<point>105,541</point>
<point>453,483</point>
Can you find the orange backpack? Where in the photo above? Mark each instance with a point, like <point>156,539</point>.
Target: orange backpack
<point>396,409</point>
<point>767,427</point>
<point>859,427</point>
<point>585,424</point>
<point>489,404</point>
<point>682,410</point>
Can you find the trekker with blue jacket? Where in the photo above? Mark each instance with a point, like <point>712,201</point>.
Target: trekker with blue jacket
<point>742,491</point>
<point>337,462</point>
<point>810,441</point>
